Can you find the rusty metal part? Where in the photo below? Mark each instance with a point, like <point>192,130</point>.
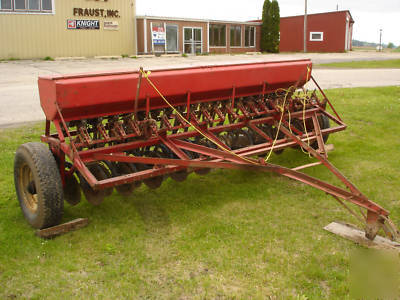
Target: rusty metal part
<point>391,230</point>
<point>374,223</point>
<point>149,128</point>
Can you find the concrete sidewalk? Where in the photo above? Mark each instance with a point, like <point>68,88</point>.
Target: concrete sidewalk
<point>19,100</point>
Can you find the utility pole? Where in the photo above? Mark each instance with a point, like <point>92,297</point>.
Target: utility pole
<point>380,40</point>
<point>305,26</point>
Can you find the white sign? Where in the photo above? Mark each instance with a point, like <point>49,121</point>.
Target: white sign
<point>83,24</point>
<point>159,36</point>
<point>111,25</point>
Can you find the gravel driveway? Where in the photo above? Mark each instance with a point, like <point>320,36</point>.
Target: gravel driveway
<point>19,99</point>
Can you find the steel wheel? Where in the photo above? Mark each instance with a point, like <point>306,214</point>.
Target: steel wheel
<point>29,193</point>
<point>107,174</point>
<point>240,139</point>
<point>95,197</point>
<point>72,190</point>
<point>153,182</point>
<point>122,169</point>
<point>211,145</point>
<point>179,176</point>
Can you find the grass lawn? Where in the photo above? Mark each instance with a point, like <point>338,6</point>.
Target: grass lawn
<point>230,234</point>
<point>371,64</point>
<point>373,49</point>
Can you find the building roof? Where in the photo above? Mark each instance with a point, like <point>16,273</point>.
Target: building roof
<point>251,22</point>
<point>198,20</point>
<point>324,13</point>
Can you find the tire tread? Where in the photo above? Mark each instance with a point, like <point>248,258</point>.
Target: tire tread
<point>49,185</point>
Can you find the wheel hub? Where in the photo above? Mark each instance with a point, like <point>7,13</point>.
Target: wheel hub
<point>29,188</point>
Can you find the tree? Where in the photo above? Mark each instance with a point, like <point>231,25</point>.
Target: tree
<point>275,26</point>
<point>265,26</point>
<point>270,27</point>
<point>390,45</point>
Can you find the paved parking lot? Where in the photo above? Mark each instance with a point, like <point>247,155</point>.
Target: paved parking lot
<point>19,99</point>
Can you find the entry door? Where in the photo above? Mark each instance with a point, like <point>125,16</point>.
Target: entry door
<point>192,40</point>
<point>172,38</point>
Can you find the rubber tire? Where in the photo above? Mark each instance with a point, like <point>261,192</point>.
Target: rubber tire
<point>47,179</point>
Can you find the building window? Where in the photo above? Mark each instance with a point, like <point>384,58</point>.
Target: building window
<point>20,5</point>
<point>5,5</point>
<point>217,35</point>
<point>250,36</point>
<point>33,5</point>
<point>37,6</point>
<point>47,5</point>
<point>316,36</point>
<point>236,36</point>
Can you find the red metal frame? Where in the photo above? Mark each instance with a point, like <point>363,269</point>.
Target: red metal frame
<point>66,99</point>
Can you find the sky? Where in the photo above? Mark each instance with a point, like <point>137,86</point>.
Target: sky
<point>369,16</point>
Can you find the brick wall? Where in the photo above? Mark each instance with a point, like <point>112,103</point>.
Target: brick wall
<point>197,24</point>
